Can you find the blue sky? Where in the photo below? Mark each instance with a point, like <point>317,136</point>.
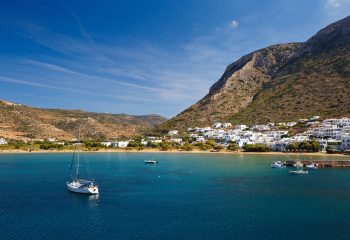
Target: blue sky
<point>140,57</point>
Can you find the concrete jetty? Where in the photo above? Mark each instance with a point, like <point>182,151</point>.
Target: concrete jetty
<point>322,163</point>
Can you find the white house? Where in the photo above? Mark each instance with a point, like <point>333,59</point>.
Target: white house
<point>200,139</point>
<point>107,144</point>
<point>291,124</point>
<point>314,118</point>
<point>314,123</point>
<point>173,132</point>
<point>217,125</point>
<point>3,141</point>
<point>51,139</point>
<point>302,120</point>
<point>241,127</point>
<point>226,125</point>
<point>122,144</point>
<point>176,140</point>
<point>261,127</point>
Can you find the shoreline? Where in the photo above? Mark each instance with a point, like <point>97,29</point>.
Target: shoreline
<point>170,151</point>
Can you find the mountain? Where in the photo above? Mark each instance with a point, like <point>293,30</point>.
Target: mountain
<point>21,122</point>
<point>280,83</point>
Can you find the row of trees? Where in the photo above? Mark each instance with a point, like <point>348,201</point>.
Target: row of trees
<point>257,148</point>
<point>50,145</point>
<point>305,146</point>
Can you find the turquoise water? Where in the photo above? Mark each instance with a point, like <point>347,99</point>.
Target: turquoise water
<point>185,196</point>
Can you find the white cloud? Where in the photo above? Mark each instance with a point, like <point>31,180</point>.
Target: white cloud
<point>335,4</point>
<point>234,24</point>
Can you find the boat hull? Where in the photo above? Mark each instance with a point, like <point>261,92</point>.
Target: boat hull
<point>82,190</point>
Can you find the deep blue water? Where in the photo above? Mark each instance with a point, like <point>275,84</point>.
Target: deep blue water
<point>185,196</point>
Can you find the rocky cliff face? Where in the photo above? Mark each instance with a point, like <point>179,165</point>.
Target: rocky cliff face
<point>281,82</point>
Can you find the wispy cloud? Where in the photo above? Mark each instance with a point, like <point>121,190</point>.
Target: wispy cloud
<point>336,9</point>
<point>140,73</point>
<point>234,24</point>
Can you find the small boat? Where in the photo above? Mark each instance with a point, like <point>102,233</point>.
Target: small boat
<point>76,184</point>
<point>311,166</point>
<point>298,172</point>
<point>298,164</point>
<point>277,164</point>
<point>151,162</point>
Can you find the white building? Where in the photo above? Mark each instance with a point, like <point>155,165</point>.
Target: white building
<point>217,125</point>
<point>261,127</point>
<point>314,123</point>
<point>291,124</point>
<point>173,132</point>
<point>314,118</point>
<point>303,120</point>
<point>51,139</point>
<point>122,144</point>
<point>241,127</point>
<point>107,144</point>
<point>326,130</point>
<point>276,134</point>
<point>176,140</point>
<point>345,142</point>
<point>200,139</point>
<point>3,141</point>
<point>226,125</point>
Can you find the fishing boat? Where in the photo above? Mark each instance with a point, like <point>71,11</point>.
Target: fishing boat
<point>311,166</point>
<point>151,162</point>
<point>76,184</point>
<point>299,172</point>
<point>277,164</point>
<point>298,164</point>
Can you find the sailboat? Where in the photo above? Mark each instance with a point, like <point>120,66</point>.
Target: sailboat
<point>76,184</point>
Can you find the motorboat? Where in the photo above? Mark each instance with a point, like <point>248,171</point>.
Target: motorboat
<point>151,162</point>
<point>277,164</point>
<point>76,184</point>
<point>298,164</point>
<point>311,166</point>
<point>299,172</point>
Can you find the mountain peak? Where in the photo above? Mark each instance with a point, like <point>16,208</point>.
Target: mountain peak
<point>281,82</point>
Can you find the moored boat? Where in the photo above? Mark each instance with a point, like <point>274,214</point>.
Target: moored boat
<point>277,164</point>
<point>299,172</point>
<point>298,164</point>
<point>76,184</point>
<point>311,166</point>
<point>151,162</point>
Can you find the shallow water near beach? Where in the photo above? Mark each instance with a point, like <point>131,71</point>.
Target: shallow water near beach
<point>185,196</point>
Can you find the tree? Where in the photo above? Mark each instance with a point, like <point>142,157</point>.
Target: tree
<point>211,143</point>
<point>164,146</point>
<point>187,147</point>
<point>233,147</point>
<point>257,148</point>
<point>292,147</point>
<point>218,148</point>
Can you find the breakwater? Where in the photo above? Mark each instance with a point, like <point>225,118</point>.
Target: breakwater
<point>321,163</point>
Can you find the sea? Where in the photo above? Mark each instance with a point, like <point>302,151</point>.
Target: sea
<point>185,196</point>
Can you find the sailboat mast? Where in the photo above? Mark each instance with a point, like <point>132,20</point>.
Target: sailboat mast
<point>78,160</point>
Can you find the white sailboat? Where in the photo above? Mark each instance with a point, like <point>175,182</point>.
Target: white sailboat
<point>76,184</point>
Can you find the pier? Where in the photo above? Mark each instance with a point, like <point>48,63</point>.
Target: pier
<point>322,163</point>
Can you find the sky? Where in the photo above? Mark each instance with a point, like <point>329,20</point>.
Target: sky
<point>140,57</point>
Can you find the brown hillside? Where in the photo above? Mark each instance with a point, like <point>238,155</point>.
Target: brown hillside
<point>280,83</point>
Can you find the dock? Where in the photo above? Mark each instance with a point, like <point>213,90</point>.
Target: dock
<point>322,163</point>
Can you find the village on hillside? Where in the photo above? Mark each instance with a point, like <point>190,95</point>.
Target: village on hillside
<point>305,135</point>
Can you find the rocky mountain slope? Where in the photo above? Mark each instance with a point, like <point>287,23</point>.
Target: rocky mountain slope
<point>280,83</point>
<point>23,122</point>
